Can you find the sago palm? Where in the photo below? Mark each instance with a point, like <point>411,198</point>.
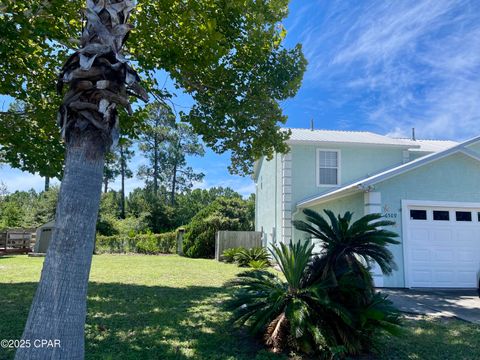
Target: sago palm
<point>347,249</point>
<point>282,310</point>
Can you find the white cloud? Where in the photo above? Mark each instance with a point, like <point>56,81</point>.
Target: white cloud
<point>244,186</point>
<point>416,62</point>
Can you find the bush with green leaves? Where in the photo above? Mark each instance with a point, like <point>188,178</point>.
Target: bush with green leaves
<point>346,249</point>
<point>258,264</point>
<point>327,305</point>
<point>228,255</point>
<point>142,244</point>
<point>223,214</point>
<point>282,311</point>
<point>243,257</point>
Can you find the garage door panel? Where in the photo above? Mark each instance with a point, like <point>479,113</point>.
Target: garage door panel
<point>443,253</point>
<point>445,277</point>
<point>443,256</point>
<point>441,235</point>
<point>466,256</point>
<point>419,234</point>
<point>421,255</point>
<point>422,277</point>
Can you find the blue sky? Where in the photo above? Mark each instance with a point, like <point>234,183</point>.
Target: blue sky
<point>382,66</point>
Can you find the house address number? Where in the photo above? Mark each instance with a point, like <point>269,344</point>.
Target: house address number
<point>390,215</point>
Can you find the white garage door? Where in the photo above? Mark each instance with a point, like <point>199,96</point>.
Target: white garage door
<point>442,247</point>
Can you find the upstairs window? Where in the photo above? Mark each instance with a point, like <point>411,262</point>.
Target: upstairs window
<point>328,172</point>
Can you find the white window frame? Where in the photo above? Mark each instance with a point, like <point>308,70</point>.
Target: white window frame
<point>338,167</point>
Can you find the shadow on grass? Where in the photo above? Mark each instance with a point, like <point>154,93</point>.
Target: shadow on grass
<point>128,321</point>
<point>433,338</point>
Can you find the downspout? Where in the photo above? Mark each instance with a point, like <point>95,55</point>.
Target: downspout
<point>276,195</point>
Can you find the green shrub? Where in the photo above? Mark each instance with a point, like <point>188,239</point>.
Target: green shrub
<point>258,264</point>
<point>143,244</point>
<point>223,214</point>
<point>228,255</point>
<point>327,305</point>
<point>245,256</point>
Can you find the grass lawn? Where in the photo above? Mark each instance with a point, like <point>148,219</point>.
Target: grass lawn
<point>167,307</point>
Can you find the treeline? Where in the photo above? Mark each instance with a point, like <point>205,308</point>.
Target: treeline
<point>146,211</point>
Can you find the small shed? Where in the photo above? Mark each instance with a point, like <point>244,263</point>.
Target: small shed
<point>44,235</point>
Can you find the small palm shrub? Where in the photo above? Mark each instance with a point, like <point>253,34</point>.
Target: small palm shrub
<point>244,256</point>
<point>347,249</point>
<point>228,255</point>
<point>283,311</point>
<point>327,304</point>
<point>258,264</point>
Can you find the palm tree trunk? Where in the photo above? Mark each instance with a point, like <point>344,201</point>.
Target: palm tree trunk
<point>98,77</point>
<point>59,308</point>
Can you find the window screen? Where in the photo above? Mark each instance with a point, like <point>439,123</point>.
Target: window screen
<point>328,167</point>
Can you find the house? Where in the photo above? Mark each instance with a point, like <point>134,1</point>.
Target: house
<point>430,188</point>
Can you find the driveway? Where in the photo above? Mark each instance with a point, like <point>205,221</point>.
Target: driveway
<point>463,304</point>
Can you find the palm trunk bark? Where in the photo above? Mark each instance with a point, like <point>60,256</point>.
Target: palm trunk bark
<point>59,307</point>
<point>98,77</point>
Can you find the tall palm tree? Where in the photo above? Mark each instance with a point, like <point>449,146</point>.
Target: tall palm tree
<point>99,80</point>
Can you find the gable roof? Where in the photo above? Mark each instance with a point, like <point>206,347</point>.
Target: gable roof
<point>346,137</point>
<point>366,183</point>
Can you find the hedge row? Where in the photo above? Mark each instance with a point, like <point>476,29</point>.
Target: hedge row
<point>165,243</point>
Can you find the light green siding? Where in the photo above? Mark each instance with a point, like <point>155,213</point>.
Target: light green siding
<point>475,147</point>
<point>356,162</point>
<point>414,155</point>
<point>268,197</point>
<point>353,203</point>
<point>455,178</point>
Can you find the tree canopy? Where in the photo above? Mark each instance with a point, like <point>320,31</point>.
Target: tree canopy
<point>226,54</point>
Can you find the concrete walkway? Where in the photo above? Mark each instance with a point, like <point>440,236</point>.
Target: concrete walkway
<point>463,304</point>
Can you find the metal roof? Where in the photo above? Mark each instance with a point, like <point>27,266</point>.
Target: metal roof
<point>433,145</point>
<point>351,137</point>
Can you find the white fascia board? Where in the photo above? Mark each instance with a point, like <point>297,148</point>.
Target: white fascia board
<point>473,154</point>
<point>340,143</point>
<point>460,148</point>
<point>336,194</point>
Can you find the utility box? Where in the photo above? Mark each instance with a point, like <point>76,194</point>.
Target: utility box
<point>43,238</point>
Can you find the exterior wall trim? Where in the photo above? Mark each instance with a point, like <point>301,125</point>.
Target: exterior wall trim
<point>286,198</point>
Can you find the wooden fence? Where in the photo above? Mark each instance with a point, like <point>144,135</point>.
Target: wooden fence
<point>17,241</point>
<point>232,239</point>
